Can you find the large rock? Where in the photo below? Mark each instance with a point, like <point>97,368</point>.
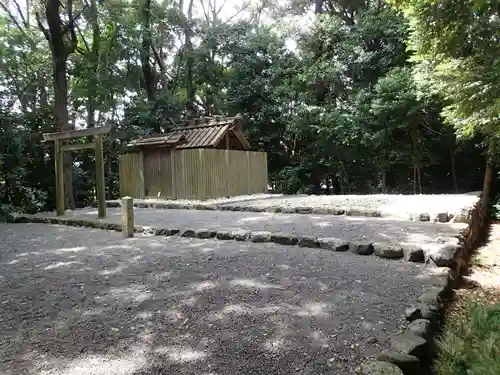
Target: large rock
<point>409,364</point>
<point>413,313</point>
<point>321,211</point>
<point>388,250</point>
<point>331,243</point>
<point>409,343</point>
<point>224,235</point>
<point>424,216</point>
<point>303,210</point>
<point>443,217</point>
<point>444,255</point>
<point>205,233</point>
<point>188,233</point>
<point>431,296</point>
<point>420,327</point>
<point>308,241</point>
<point>284,239</point>
<point>463,216</point>
<point>260,236</point>
<point>273,209</point>
<point>243,235</point>
<point>421,311</point>
<point>413,253</point>
<point>380,368</point>
<point>363,213</point>
<point>361,248</point>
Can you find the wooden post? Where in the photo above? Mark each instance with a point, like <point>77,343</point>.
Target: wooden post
<point>128,217</point>
<point>59,167</point>
<point>250,182</point>
<point>202,172</point>
<point>99,177</point>
<point>227,174</point>
<point>173,179</point>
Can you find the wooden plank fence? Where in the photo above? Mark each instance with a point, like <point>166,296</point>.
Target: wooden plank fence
<point>193,174</point>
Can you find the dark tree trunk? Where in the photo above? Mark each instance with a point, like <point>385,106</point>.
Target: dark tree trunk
<point>318,6</point>
<point>146,49</point>
<point>453,167</point>
<point>190,87</point>
<point>94,59</point>
<point>62,40</point>
<point>488,175</point>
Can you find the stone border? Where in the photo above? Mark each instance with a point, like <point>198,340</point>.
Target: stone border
<point>443,217</point>
<point>386,250</point>
<point>413,350</point>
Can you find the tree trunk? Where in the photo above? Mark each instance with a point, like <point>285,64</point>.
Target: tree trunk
<point>318,6</point>
<point>384,181</point>
<point>146,48</point>
<point>488,175</point>
<point>61,45</point>
<point>190,88</point>
<point>453,167</point>
<point>414,180</point>
<point>94,61</point>
<point>419,178</point>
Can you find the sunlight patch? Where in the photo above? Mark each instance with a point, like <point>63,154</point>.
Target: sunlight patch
<point>112,271</point>
<point>59,265</point>
<point>100,364</point>
<point>134,293</point>
<point>118,247</point>
<point>312,309</point>
<point>274,345</point>
<point>70,249</point>
<point>264,217</point>
<point>324,224</point>
<point>249,283</point>
<point>203,285</point>
<point>182,354</point>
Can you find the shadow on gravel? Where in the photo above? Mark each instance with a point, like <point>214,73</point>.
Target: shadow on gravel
<point>77,301</point>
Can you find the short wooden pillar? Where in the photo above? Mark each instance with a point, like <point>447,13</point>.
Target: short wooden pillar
<point>128,216</point>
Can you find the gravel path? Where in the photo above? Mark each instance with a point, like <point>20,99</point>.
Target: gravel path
<point>80,301</point>
<point>347,228</point>
<point>389,205</point>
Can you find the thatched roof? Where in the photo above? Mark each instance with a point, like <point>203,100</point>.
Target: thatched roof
<point>202,133</point>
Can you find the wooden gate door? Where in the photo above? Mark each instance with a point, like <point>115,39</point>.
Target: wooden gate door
<point>158,173</point>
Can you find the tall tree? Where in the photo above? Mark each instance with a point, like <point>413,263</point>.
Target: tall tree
<point>456,45</point>
<point>61,36</point>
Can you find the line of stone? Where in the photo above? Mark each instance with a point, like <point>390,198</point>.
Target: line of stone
<point>443,217</point>
<point>412,351</point>
<point>409,252</point>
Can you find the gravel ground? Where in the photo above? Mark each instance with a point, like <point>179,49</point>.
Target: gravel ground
<point>80,301</point>
<point>391,206</point>
<point>221,200</point>
<point>344,227</point>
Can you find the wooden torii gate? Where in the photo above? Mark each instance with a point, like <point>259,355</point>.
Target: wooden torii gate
<point>59,148</point>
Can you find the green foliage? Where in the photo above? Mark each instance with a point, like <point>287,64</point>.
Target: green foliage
<point>456,45</point>
<point>471,343</point>
<point>347,111</point>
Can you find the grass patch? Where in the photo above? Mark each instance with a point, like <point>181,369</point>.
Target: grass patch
<point>470,344</point>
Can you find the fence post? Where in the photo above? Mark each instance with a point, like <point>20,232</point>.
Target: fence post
<point>128,216</point>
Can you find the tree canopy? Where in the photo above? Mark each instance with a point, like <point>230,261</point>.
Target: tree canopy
<point>344,96</point>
